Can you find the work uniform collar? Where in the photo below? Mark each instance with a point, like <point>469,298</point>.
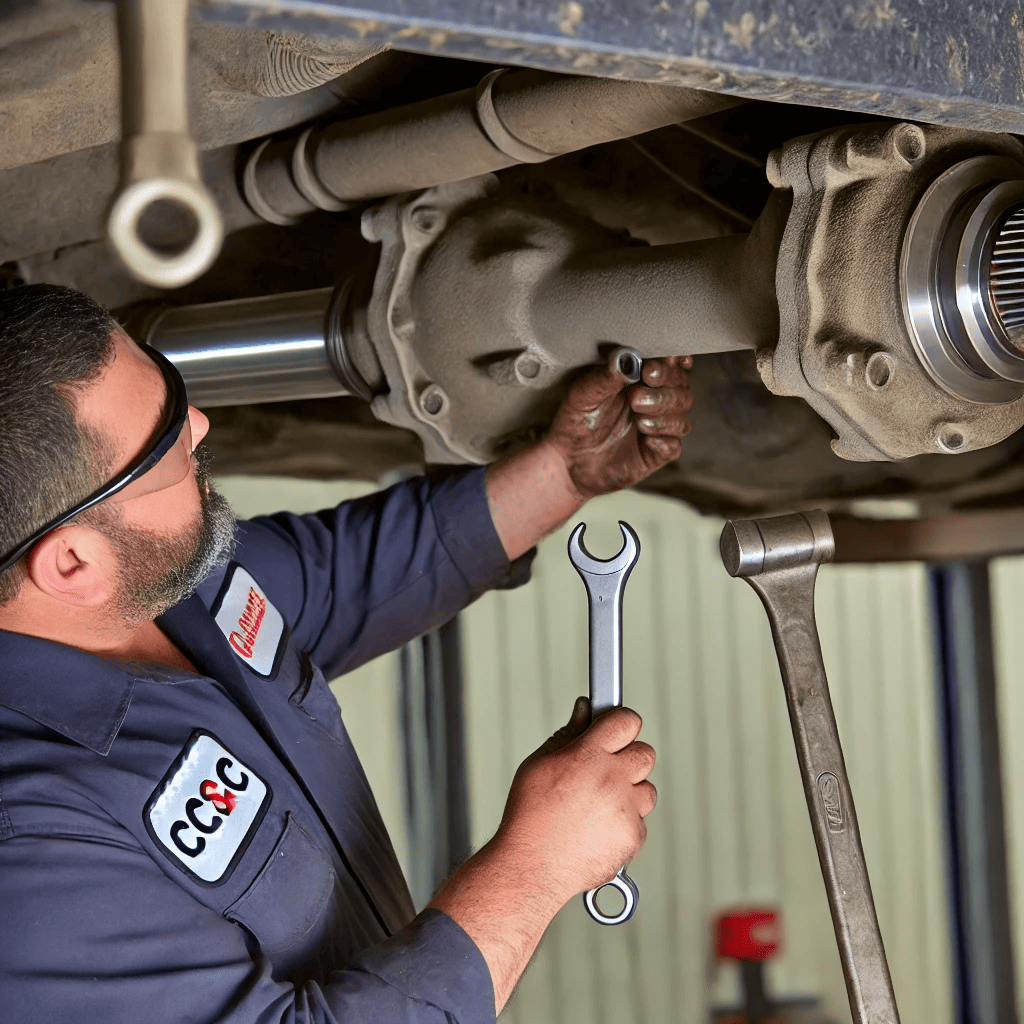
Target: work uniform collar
<point>77,694</point>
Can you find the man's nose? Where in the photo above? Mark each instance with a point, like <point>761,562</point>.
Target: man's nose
<point>198,424</point>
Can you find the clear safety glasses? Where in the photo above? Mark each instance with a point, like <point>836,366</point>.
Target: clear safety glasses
<point>166,463</point>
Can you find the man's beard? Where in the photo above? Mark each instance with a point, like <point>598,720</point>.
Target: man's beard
<point>158,572</point>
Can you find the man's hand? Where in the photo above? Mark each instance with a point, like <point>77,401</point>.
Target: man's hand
<point>574,816</point>
<point>607,435</point>
<point>577,805</point>
<point>611,437</point>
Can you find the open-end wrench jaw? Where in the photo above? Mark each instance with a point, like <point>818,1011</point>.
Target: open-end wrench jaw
<point>587,565</point>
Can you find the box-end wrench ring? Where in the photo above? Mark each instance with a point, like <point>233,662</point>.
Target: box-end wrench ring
<point>629,890</point>
<point>605,581</point>
<point>159,158</point>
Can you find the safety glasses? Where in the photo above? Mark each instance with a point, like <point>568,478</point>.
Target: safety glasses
<point>166,463</point>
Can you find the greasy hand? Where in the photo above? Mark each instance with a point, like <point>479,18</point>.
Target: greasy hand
<point>612,435</point>
<point>577,805</point>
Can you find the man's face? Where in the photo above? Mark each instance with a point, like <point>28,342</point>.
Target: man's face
<point>167,541</point>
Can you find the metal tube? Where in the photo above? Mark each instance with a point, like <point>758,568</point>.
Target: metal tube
<point>511,117</point>
<point>668,299</point>
<point>268,349</point>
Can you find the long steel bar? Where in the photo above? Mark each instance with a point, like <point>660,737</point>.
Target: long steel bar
<point>779,558</point>
<point>788,598</point>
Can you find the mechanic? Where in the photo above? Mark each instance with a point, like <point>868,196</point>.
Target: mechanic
<point>186,833</point>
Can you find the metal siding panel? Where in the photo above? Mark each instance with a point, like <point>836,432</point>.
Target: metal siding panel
<point>1007,589</point>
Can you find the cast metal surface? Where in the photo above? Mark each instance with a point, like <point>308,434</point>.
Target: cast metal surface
<point>550,291</point>
<point>941,61</point>
<point>865,288</point>
<point>511,117</point>
<point>605,580</point>
<point>159,157</point>
<point>779,558</point>
<point>877,332</point>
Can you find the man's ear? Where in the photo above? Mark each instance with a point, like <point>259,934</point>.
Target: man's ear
<point>74,564</point>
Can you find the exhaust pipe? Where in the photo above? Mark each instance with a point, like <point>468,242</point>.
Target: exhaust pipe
<point>511,117</point>
<point>273,348</point>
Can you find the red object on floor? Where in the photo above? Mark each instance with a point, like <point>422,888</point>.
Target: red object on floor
<point>751,935</point>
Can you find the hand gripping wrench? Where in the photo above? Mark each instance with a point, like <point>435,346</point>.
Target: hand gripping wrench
<point>779,558</point>
<point>605,581</point>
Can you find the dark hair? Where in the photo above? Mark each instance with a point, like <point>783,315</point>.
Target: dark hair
<point>54,342</point>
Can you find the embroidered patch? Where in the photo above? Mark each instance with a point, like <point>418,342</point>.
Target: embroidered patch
<point>252,625</point>
<point>206,809</point>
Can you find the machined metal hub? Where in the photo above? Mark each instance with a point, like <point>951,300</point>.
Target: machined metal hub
<point>959,270</point>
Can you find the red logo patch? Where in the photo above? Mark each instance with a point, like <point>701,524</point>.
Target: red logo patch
<point>243,638</point>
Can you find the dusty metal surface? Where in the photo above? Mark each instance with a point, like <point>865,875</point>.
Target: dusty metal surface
<point>509,117</point>
<point>941,61</point>
<point>751,451</point>
<point>60,79</point>
<point>814,288</point>
<point>550,293</point>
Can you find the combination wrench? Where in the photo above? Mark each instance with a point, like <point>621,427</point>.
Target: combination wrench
<point>779,558</point>
<point>605,581</point>
<point>159,158</point>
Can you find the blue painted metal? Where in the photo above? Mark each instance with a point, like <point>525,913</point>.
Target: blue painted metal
<point>943,61</point>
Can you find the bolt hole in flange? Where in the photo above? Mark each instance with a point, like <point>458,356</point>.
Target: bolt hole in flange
<point>528,367</point>
<point>909,142</point>
<point>951,439</point>
<point>433,401</point>
<point>879,370</point>
<point>426,219</point>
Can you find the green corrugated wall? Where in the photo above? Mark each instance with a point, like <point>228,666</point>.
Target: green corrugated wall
<point>1007,596</point>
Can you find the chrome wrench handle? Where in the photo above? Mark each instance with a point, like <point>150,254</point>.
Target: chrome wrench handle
<point>605,581</point>
<point>779,558</point>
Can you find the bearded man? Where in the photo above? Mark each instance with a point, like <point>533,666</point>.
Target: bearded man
<point>186,833</point>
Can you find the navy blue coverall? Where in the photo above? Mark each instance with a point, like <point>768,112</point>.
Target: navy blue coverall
<point>195,848</point>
